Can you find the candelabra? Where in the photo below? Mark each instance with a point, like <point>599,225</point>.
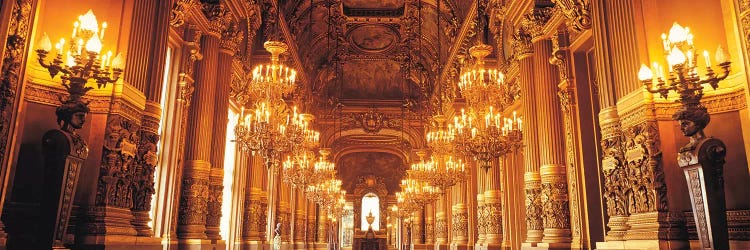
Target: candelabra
<point>79,58</point>
<point>274,80</point>
<point>702,159</point>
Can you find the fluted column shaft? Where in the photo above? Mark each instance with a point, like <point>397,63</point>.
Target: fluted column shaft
<point>613,72</point>
<point>493,206</point>
<point>555,207</point>
<point>220,115</point>
<point>195,182</point>
<point>531,164</point>
<point>148,57</point>
<point>416,227</point>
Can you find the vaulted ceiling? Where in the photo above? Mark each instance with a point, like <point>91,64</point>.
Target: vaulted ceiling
<point>370,70</point>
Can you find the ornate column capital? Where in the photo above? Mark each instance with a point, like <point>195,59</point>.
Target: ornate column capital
<point>232,37</point>
<point>521,43</point>
<point>218,16</point>
<point>577,12</point>
<point>534,21</point>
<point>179,11</point>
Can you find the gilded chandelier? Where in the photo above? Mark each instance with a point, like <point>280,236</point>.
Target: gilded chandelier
<point>479,85</point>
<point>415,194</point>
<point>489,139</point>
<point>441,170</point>
<point>79,59</point>
<point>270,130</point>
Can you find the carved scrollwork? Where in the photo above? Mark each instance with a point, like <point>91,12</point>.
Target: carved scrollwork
<point>193,205</point>
<point>534,21</point>
<point>219,17</point>
<point>460,223</point>
<point>371,121</point>
<point>521,43</point>
<point>554,199</point>
<point>179,11</point>
<point>117,169</point>
<point>577,12</point>
<point>534,209</point>
<point>494,218</point>
<point>645,176</point>
<point>18,33</point>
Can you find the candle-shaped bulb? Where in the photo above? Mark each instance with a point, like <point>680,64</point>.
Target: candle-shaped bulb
<point>118,61</point>
<point>721,55</point>
<point>88,22</point>
<point>645,73</point>
<point>94,45</point>
<point>45,43</point>
<point>707,58</point>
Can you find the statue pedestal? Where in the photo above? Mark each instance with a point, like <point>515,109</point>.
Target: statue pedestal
<point>703,166</point>
<point>64,156</point>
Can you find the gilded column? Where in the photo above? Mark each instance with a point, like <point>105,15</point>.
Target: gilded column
<point>299,218</point>
<point>284,211</point>
<point>612,140</point>
<point>441,229</point>
<point>567,93</point>
<point>429,224</point>
<point>228,45</point>
<point>19,26</point>
<point>322,226</point>
<point>481,216</point>
<point>532,186</point>
<point>554,191</point>
<point>460,215</point>
<point>253,211</point>
<point>493,211</point>
<point>416,227</point>
<point>147,49</point>
<point>195,180</point>
<point>556,213</point>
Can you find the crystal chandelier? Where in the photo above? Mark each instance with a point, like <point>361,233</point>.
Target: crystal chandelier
<point>325,192</point>
<point>486,140</point>
<point>79,59</point>
<point>415,194</point>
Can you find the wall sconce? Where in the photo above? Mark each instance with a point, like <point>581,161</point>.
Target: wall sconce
<point>80,59</point>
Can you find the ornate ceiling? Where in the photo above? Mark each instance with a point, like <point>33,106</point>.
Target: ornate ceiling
<point>370,70</point>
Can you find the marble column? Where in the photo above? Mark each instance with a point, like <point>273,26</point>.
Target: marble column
<point>416,227</point>
<point>147,55</point>
<point>493,210</point>
<point>532,186</point>
<point>195,180</point>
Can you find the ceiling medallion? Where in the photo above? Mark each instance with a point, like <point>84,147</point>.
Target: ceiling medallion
<point>373,38</point>
<point>371,121</point>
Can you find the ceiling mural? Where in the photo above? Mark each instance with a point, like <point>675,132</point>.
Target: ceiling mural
<point>388,166</point>
<point>373,38</point>
<point>366,63</point>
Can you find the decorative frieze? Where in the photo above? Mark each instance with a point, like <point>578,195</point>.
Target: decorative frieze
<point>534,209</point>
<point>118,166</point>
<point>534,21</point>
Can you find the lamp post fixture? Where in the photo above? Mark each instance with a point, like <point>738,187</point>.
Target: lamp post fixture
<point>702,158</point>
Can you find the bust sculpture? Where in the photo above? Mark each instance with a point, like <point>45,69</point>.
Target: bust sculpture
<point>71,115</point>
<point>692,122</point>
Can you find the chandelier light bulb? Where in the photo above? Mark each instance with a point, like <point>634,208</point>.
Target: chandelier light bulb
<point>94,45</point>
<point>721,55</point>
<point>677,33</point>
<point>676,57</point>
<point>88,22</point>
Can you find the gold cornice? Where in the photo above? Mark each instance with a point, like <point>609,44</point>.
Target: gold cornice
<point>456,47</point>
<point>517,9</point>
<point>196,17</point>
<point>293,53</point>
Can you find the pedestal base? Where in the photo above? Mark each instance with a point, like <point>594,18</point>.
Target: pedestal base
<point>642,245</point>
<point>118,242</point>
<point>545,246</point>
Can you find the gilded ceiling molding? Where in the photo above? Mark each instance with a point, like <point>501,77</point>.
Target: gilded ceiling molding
<point>467,27</point>
<point>577,12</point>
